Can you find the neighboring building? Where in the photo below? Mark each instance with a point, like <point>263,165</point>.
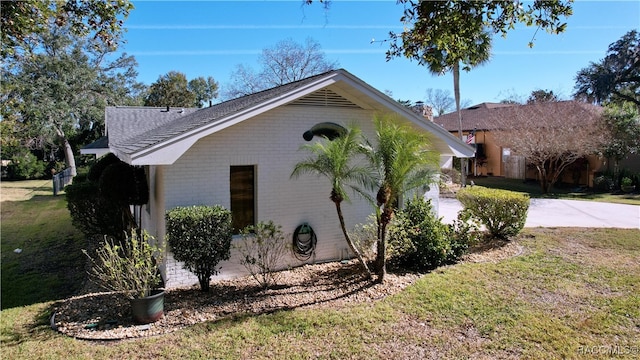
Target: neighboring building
<point>244,150</point>
<point>479,127</point>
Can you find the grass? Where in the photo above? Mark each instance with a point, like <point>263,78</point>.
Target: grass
<point>559,192</point>
<point>571,294</point>
<point>38,223</point>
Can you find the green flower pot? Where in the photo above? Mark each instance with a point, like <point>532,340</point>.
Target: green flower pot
<point>148,309</point>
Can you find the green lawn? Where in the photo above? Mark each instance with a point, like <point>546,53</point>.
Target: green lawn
<point>572,293</point>
<point>39,224</point>
<point>562,192</point>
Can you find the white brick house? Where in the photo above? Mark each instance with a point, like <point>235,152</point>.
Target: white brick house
<point>191,156</point>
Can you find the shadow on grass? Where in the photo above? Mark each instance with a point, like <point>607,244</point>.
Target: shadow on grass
<point>35,329</point>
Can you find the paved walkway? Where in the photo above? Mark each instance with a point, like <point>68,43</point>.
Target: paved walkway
<point>564,213</point>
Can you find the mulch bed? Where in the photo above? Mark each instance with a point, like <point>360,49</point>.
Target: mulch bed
<point>107,316</point>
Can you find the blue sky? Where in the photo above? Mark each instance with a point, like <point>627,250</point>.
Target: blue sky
<point>209,38</point>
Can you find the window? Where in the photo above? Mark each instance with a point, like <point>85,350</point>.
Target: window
<point>242,185</point>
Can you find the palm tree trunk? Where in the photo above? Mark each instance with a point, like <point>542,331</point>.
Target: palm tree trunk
<point>456,94</point>
<point>350,243</point>
<point>381,269</point>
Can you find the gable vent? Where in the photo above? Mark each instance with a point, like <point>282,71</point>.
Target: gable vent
<point>325,97</point>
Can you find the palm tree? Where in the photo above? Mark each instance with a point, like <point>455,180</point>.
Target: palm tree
<point>335,160</point>
<point>404,162</point>
<point>444,36</point>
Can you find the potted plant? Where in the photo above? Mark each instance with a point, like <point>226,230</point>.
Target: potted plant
<point>132,270</point>
<point>626,185</point>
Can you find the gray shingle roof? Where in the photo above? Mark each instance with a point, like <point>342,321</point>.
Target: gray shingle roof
<point>157,127</point>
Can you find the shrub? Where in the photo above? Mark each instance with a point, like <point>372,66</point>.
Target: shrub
<point>364,237</point>
<point>25,165</point>
<point>131,269</point>
<point>502,212</point>
<point>91,213</point>
<point>603,183</point>
<point>200,237</point>
<point>418,240</point>
<point>262,249</point>
<point>463,233</point>
<point>124,184</point>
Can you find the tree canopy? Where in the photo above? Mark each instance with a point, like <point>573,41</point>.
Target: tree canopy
<point>615,78</point>
<point>285,62</point>
<point>550,135</point>
<point>24,21</point>
<point>60,92</point>
<point>542,96</point>
<point>173,89</point>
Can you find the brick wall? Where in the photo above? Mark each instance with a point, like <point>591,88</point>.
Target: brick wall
<point>270,142</point>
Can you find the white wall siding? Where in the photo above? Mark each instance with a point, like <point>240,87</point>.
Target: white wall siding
<point>270,142</point>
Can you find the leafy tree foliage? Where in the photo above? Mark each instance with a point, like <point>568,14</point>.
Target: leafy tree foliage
<point>60,92</point>
<point>443,35</point>
<point>283,63</point>
<point>621,123</point>
<point>542,96</point>
<point>173,89</point>
<point>200,236</point>
<point>23,21</point>
<point>92,214</point>
<point>615,78</point>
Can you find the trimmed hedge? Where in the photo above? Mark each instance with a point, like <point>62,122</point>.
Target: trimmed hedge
<point>502,212</point>
<point>200,237</point>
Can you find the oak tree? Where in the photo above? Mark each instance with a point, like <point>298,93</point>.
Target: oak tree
<point>615,78</point>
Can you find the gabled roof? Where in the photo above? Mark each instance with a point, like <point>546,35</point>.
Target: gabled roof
<point>482,116</point>
<point>154,137</point>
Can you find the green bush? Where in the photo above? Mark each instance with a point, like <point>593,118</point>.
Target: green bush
<point>418,240</point>
<point>91,213</point>
<point>24,165</point>
<point>463,233</point>
<point>200,237</point>
<point>502,212</point>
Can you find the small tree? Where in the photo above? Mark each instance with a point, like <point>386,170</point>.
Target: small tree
<point>335,160</point>
<point>551,136</point>
<point>200,237</point>
<point>621,124</point>
<point>262,249</point>
<point>404,161</point>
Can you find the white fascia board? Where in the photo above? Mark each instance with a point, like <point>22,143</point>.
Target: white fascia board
<point>167,152</point>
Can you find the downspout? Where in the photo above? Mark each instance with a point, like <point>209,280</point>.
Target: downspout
<point>158,212</point>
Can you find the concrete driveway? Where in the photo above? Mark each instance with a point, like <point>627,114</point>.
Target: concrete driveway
<point>564,213</point>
